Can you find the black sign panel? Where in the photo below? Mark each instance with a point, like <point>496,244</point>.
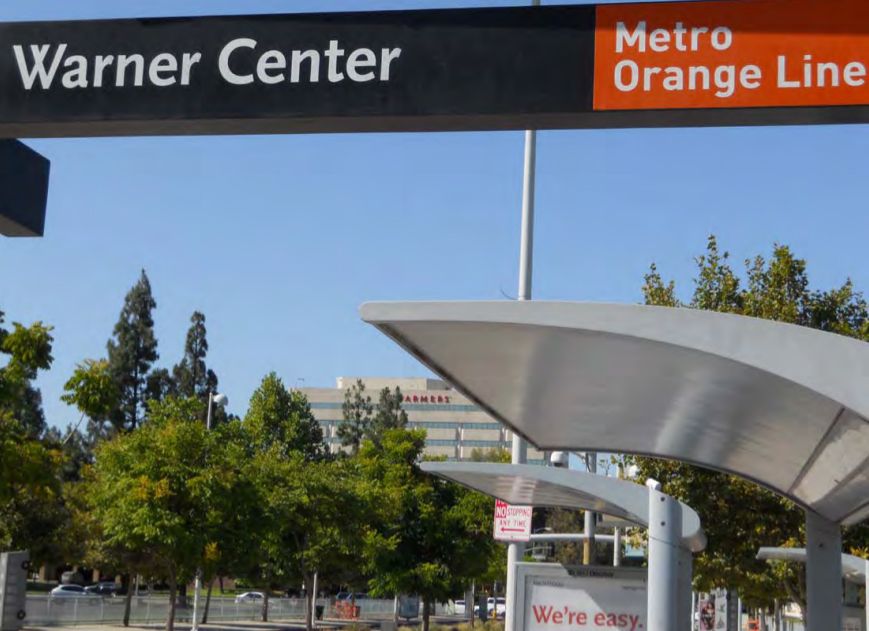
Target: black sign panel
<point>23,190</point>
<point>438,69</point>
<point>616,65</point>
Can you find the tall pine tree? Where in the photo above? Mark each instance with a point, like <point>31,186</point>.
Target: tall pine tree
<point>356,412</point>
<point>132,351</point>
<point>191,377</point>
<point>387,415</point>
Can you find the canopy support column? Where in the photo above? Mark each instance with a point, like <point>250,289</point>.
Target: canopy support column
<point>664,552</point>
<point>823,573</point>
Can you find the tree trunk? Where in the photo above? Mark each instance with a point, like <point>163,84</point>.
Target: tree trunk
<point>265,612</point>
<point>221,584</point>
<point>182,595</point>
<point>128,600</point>
<point>207,601</point>
<point>173,594</point>
<point>426,614</point>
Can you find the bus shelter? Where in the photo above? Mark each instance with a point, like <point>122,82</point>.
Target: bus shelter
<point>781,405</point>
<point>674,528</point>
<point>854,569</point>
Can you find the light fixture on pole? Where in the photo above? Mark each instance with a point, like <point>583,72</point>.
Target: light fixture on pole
<point>219,399</point>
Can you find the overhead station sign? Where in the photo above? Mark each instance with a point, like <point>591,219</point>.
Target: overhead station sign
<point>729,62</point>
<point>737,53</point>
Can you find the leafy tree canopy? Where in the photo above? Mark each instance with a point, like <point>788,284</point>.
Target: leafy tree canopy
<point>282,418</point>
<point>428,536</point>
<point>776,289</point>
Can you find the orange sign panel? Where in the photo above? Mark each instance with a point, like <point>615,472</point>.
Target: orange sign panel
<point>732,54</point>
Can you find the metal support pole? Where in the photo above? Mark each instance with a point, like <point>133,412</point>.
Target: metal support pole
<point>515,551</point>
<point>866,597</point>
<point>314,588</point>
<point>198,586</point>
<point>693,609</point>
<point>664,546</point>
<point>823,573</point>
<point>590,517</point>
<point>210,405</point>
<point>196,589</point>
<point>617,547</point>
<point>739,613</point>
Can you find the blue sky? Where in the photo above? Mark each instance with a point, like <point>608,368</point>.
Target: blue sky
<point>279,239</point>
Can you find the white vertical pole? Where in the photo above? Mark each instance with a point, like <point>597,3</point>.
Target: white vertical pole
<point>664,546</point>
<point>590,517</point>
<point>739,613</point>
<point>519,452</point>
<point>823,573</point>
<point>693,609</point>
<point>198,586</point>
<point>314,598</point>
<point>617,547</point>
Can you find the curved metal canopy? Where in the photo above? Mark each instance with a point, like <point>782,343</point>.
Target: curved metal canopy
<point>533,485</point>
<point>853,568</point>
<point>782,405</point>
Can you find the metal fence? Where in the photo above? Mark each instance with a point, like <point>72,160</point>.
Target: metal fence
<point>47,611</point>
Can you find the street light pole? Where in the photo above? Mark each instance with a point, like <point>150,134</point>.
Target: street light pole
<point>519,451</point>
<point>220,399</point>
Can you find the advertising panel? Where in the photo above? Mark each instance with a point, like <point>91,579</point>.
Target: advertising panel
<point>718,611</point>
<point>584,598</point>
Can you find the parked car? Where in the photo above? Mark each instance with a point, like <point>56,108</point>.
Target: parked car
<point>498,608</point>
<point>459,607</point>
<point>102,589</point>
<point>249,597</point>
<point>495,607</point>
<point>70,591</point>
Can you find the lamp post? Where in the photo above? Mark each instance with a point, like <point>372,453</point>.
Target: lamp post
<point>220,399</point>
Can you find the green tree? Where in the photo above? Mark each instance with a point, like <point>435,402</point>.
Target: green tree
<point>27,351</point>
<point>283,418</point>
<point>775,289</point>
<point>234,523</point>
<point>307,500</point>
<point>191,377</point>
<point>31,505</point>
<point>311,521</point>
<point>31,510</point>
<point>494,454</point>
<point>427,536</point>
<point>131,353</point>
<point>388,414</point>
<point>356,416</point>
<point>153,492</point>
<point>94,392</point>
